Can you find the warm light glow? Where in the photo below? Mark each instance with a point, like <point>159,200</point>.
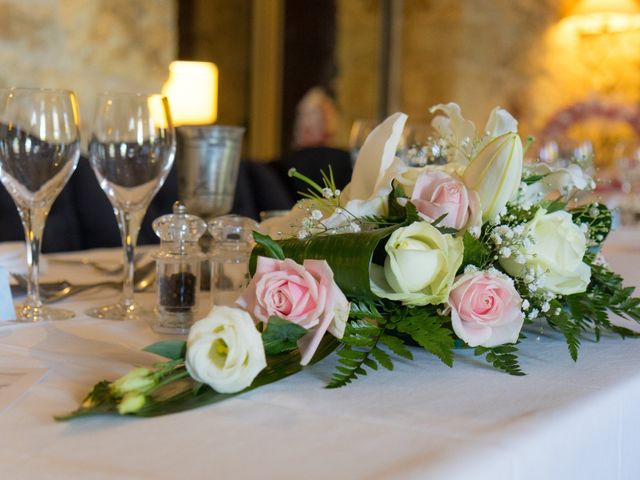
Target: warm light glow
<point>192,90</point>
<point>593,17</point>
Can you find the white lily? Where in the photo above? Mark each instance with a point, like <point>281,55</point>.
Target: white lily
<point>462,133</point>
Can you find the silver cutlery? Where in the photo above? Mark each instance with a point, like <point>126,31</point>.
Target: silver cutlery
<point>96,265</point>
<point>55,291</point>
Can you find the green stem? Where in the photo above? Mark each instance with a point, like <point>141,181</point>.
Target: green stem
<point>170,379</point>
<point>295,174</point>
<point>528,143</point>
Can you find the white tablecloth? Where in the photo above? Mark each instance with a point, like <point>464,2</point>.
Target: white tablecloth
<point>563,420</point>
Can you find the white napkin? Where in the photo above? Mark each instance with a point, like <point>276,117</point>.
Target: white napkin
<point>13,258</point>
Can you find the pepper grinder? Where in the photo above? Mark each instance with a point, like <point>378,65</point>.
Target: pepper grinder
<point>232,245</point>
<point>178,269</point>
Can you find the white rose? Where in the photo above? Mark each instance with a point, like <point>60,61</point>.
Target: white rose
<point>224,350</point>
<point>557,246</point>
<point>420,266</point>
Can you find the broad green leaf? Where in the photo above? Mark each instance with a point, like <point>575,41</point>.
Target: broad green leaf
<point>270,246</point>
<point>281,336</point>
<point>348,254</point>
<point>531,179</point>
<point>186,394</point>
<point>171,349</point>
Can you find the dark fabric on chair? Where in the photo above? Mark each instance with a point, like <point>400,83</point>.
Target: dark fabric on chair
<point>311,162</point>
<point>61,232</point>
<point>260,188</point>
<point>82,217</point>
<point>97,218</point>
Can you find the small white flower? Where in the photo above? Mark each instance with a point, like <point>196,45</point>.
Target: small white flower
<point>525,305</point>
<point>545,307</point>
<point>327,193</point>
<point>302,234</point>
<point>316,215</point>
<point>505,252</point>
<point>470,269</point>
<point>337,192</point>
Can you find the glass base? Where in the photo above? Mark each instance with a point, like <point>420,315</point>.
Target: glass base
<point>175,323</point>
<point>120,311</point>
<point>39,313</point>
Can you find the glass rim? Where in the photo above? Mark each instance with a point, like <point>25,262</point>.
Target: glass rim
<point>41,90</point>
<point>108,93</point>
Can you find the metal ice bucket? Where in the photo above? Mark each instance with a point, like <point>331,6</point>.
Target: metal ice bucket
<point>207,160</point>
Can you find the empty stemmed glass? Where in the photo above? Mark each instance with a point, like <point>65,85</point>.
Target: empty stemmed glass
<point>39,150</point>
<point>131,152</point>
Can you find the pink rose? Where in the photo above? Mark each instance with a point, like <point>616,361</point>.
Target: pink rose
<point>304,294</point>
<point>485,309</point>
<point>437,193</point>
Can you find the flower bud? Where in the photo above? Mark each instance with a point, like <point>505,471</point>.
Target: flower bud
<point>131,403</point>
<point>137,380</point>
<point>495,173</point>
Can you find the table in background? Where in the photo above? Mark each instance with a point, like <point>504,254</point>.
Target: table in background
<point>424,420</point>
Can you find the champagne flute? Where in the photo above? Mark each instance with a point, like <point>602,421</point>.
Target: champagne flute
<point>131,152</point>
<point>39,150</point>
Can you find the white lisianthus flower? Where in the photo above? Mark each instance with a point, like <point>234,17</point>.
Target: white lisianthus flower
<point>495,173</point>
<point>420,266</point>
<point>557,248</point>
<point>224,350</point>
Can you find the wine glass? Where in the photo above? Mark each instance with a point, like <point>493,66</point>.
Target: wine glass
<point>360,130</point>
<point>131,152</point>
<point>39,150</point>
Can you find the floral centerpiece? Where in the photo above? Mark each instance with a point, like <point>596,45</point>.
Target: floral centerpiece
<point>461,251</point>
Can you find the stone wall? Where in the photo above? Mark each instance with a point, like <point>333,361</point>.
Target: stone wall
<point>518,54</point>
<point>87,46</point>
<point>357,60</point>
<point>221,33</point>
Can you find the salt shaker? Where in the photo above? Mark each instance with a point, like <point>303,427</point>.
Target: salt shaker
<point>178,269</point>
<point>232,245</point>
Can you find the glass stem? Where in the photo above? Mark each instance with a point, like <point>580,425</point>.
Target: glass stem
<point>33,220</point>
<point>129,223</point>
